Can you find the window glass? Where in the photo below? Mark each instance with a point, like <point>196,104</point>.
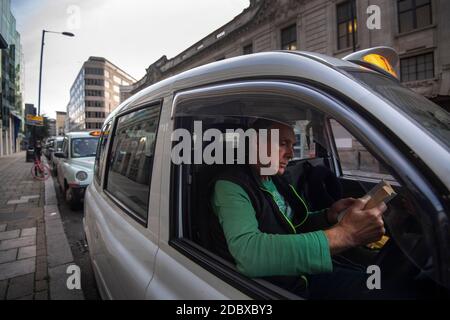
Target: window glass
<point>425,113</point>
<point>289,38</point>
<point>354,158</point>
<point>65,147</point>
<point>83,147</point>
<point>59,145</point>
<point>404,5</point>
<point>406,21</point>
<point>346,24</point>
<point>131,159</point>
<point>423,17</point>
<point>305,146</point>
<point>100,156</point>
<point>413,14</point>
<point>248,49</point>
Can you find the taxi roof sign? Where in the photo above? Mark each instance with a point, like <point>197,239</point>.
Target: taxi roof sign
<point>95,133</point>
<point>384,58</point>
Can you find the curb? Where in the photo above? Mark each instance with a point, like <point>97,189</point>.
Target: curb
<point>59,254</point>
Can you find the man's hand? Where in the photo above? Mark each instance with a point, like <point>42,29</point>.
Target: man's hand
<point>338,207</point>
<point>357,227</point>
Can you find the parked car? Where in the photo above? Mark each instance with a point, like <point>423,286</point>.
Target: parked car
<point>146,217</point>
<point>56,147</point>
<point>75,165</point>
<point>47,148</point>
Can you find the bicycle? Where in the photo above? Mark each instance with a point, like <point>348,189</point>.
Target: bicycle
<point>40,171</point>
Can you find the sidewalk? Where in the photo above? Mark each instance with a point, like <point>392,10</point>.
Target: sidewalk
<point>34,252</point>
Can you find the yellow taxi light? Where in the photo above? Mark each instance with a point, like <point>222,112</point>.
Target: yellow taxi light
<point>95,133</point>
<point>384,58</point>
<point>381,62</point>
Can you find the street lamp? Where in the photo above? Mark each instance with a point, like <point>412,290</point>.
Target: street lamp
<point>67,34</point>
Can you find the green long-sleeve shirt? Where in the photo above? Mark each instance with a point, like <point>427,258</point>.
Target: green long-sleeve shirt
<point>259,254</point>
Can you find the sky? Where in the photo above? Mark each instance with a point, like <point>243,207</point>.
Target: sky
<point>132,34</point>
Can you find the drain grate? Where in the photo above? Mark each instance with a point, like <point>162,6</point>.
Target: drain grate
<point>82,246</point>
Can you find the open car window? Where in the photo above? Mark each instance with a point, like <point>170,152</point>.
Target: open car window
<point>347,167</point>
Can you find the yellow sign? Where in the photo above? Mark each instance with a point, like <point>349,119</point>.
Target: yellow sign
<point>381,62</point>
<point>35,120</point>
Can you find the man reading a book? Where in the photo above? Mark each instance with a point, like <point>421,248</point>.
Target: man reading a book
<point>260,226</point>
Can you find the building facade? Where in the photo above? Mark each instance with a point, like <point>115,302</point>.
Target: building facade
<point>418,29</point>
<point>51,127</point>
<point>60,123</point>
<point>11,105</point>
<point>95,93</point>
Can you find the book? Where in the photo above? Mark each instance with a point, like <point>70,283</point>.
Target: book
<point>382,192</point>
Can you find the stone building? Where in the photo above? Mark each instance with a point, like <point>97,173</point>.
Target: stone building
<point>51,127</point>
<point>418,29</point>
<point>60,123</point>
<point>95,93</point>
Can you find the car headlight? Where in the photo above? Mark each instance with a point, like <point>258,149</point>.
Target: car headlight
<point>81,175</point>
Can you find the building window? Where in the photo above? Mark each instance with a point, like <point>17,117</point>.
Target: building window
<point>248,49</point>
<point>413,14</point>
<point>95,82</point>
<point>419,67</point>
<point>346,24</point>
<point>95,115</point>
<point>94,93</point>
<point>289,38</point>
<point>95,71</point>
<point>97,104</point>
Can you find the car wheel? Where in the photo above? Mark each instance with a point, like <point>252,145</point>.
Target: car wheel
<point>71,198</point>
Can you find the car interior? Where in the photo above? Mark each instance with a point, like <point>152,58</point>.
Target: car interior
<point>404,256</point>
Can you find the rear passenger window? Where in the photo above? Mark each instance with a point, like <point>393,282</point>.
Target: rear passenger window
<point>131,160</point>
<point>100,156</point>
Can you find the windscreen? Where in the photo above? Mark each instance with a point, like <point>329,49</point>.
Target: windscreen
<point>426,114</point>
<point>84,147</point>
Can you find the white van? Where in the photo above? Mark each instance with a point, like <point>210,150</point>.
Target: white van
<point>146,218</point>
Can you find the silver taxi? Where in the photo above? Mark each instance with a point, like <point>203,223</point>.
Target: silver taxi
<point>75,164</point>
<point>146,217</point>
<point>56,147</point>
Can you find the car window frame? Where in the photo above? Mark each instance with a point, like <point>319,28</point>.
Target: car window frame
<point>65,147</point>
<point>125,209</point>
<point>102,164</point>
<point>346,112</point>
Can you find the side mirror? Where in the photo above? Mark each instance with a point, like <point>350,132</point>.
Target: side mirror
<point>60,155</point>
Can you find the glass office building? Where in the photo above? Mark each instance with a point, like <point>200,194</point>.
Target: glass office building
<point>11,71</point>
